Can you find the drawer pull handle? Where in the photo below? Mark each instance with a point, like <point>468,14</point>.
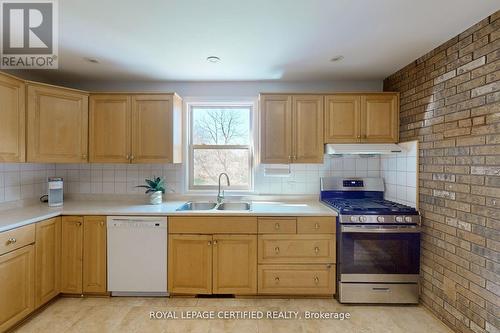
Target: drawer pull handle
<point>277,226</point>
<point>277,279</point>
<point>11,241</point>
<point>316,279</point>
<point>316,250</point>
<point>316,226</point>
<point>277,250</point>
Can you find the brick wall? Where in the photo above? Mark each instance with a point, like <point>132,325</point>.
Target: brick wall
<point>450,102</point>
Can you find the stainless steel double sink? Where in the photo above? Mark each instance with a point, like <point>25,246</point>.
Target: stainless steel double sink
<point>199,205</point>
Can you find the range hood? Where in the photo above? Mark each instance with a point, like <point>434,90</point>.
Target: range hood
<point>362,148</point>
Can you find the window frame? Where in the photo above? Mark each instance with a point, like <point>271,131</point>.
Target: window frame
<point>191,147</point>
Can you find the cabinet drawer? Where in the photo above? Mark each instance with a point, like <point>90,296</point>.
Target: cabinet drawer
<point>17,238</point>
<point>212,225</point>
<point>296,279</point>
<point>316,225</point>
<point>296,249</point>
<point>277,225</point>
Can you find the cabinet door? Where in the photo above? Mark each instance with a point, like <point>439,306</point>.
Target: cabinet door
<point>71,254</point>
<point>94,254</point>
<point>235,264</point>
<point>380,118</point>
<point>276,129</point>
<point>47,260</point>
<point>342,118</point>
<point>12,116</point>
<point>190,264</point>
<point>152,129</point>
<point>17,296</point>
<point>110,128</point>
<point>57,125</point>
<point>307,129</point>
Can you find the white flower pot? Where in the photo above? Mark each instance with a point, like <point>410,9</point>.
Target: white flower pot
<point>155,198</point>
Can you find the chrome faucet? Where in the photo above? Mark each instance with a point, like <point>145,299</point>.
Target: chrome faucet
<point>220,197</point>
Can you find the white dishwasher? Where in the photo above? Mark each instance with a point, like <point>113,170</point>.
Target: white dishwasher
<point>137,256</point>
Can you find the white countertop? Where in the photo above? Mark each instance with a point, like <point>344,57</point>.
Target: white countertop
<point>17,217</point>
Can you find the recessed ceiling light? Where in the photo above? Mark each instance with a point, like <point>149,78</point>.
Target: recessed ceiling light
<point>337,58</point>
<point>213,59</point>
<point>91,60</point>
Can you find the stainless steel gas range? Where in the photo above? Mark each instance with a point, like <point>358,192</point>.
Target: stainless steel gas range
<point>378,242</point>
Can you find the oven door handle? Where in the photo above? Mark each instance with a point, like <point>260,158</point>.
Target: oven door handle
<point>383,230</point>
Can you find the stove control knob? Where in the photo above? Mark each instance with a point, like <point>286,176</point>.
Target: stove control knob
<point>399,219</point>
<point>408,219</point>
<point>362,219</point>
<point>380,219</point>
<point>353,219</point>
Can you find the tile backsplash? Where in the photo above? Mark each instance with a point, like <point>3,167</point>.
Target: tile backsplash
<point>400,174</point>
<point>20,181</point>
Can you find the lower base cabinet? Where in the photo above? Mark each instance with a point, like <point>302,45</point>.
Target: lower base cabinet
<point>83,255</point>
<point>47,260</point>
<point>17,282</point>
<point>212,264</point>
<point>297,279</point>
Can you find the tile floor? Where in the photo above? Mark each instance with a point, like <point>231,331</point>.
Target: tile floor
<point>132,315</point>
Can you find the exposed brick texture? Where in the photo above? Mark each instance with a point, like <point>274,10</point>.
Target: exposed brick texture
<point>450,102</point>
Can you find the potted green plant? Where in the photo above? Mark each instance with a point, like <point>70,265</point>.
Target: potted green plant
<point>155,188</point>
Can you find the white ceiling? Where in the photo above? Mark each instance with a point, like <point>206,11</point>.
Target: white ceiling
<point>289,40</point>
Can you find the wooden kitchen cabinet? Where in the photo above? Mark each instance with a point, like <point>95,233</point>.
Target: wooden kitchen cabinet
<point>135,128</point>
<point>71,254</point>
<point>276,128</point>
<point>342,118</point>
<point>362,118</point>
<point>17,295</point>
<point>190,264</point>
<point>109,135</point>
<point>83,255</point>
<point>307,118</point>
<point>234,264</point>
<point>12,119</point>
<point>94,255</point>
<point>57,130</point>
<point>47,260</point>
<point>380,118</point>
<point>291,128</point>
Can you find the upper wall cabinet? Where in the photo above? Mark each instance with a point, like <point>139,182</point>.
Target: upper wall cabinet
<point>144,128</point>
<point>12,119</point>
<point>291,128</point>
<point>370,118</point>
<point>57,125</point>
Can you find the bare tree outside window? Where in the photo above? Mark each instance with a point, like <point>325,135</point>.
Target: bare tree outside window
<point>220,141</point>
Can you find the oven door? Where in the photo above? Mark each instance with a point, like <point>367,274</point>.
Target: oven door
<point>379,253</point>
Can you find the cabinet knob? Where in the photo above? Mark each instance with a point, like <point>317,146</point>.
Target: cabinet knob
<point>127,157</point>
<point>316,226</point>
<point>132,157</point>
<point>276,250</point>
<point>316,250</point>
<point>209,243</point>
<point>277,226</point>
<point>84,156</point>
<point>316,279</point>
<point>215,242</point>
<point>11,241</point>
<point>277,279</point>
<point>102,223</point>
<point>79,223</point>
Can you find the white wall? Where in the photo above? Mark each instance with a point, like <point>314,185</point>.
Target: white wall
<point>228,89</point>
